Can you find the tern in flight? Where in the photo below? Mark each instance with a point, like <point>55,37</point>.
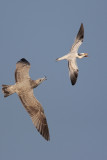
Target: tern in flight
<point>24,88</point>
<point>73,55</point>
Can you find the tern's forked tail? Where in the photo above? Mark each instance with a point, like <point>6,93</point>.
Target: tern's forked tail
<point>62,58</point>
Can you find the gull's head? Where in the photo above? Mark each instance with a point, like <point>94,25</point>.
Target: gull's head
<point>40,80</point>
<point>35,83</point>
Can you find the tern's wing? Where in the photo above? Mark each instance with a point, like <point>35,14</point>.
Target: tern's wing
<point>78,41</point>
<point>73,71</point>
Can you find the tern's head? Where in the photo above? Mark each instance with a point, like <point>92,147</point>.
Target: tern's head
<point>81,55</point>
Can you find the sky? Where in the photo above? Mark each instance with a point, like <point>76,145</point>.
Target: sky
<point>42,31</point>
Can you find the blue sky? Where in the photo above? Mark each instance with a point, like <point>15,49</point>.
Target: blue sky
<point>42,31</point>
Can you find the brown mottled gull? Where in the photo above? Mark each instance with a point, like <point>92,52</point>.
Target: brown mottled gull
<point>24,88</point>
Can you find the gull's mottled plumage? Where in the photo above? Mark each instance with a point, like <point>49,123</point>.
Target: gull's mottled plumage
<point>73,54</point>
<point>24,88</point>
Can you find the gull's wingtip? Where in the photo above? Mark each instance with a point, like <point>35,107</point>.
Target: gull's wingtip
<point>81,24</point>
<point>24,61</point>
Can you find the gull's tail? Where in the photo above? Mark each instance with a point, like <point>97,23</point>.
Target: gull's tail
<point>8,90</point>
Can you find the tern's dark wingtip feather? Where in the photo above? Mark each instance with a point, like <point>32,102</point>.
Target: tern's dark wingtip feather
<point>74,77</point>
<point>80,34</point>
<point>73,81</point>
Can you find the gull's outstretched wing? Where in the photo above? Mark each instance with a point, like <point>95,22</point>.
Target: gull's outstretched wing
<point>78,41</point>
<point>73,71</point>
<point>22,70</point>
<point>36,112</point>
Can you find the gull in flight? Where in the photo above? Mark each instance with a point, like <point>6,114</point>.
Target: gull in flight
<point>24,88</point>
<point>73,54</point>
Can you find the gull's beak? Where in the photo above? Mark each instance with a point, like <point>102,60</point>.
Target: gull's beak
<point>45,78</point>
<point>85,54</point>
